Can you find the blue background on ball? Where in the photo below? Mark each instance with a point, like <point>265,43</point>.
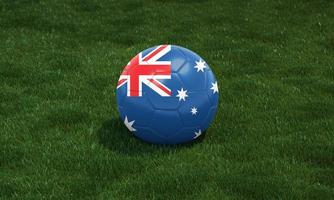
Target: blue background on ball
<point>166,120</point>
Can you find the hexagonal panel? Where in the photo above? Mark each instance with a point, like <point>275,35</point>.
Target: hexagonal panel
<point>147,51</point>
<point>121,112</point>
<point>190,76</point>
<point>165,103</point>
<point>176,57</point>
<point>184,135</point>
<point>149,135</point>
<point>213,95</point>
<point>138,109</point>
<point>121,94</point>
<point>189,54</point>
<point>200,103</point>
<point>210,115</point>
<point>166,123</point>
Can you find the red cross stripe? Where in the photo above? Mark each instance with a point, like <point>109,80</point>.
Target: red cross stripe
<point>147,70</point>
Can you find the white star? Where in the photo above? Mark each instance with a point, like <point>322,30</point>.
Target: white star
<point>129,124</point>
<point>182,94</point>
<point>197,134</point>
<point>193,111</point>
<point>214,87</point>
<point>200,65</point>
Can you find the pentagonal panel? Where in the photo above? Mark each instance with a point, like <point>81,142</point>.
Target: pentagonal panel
<point>194,111</point>
<point>166,123</point>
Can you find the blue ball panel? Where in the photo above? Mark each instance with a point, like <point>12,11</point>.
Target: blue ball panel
<point>176,57</point>
<point>212,96</point>
<point>137,107</point>
<point>193,80</point>
<point>198,100</point>
<point>166,123</point>
<point>149,135</point>
<point>166,103</point>
<point>211,113</point>
<point>184,135</point>
<point>189,55</point>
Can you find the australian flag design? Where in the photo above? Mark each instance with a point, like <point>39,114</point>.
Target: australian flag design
<point>167,95</point>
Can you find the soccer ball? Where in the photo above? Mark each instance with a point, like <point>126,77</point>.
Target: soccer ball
<point>167,95</point>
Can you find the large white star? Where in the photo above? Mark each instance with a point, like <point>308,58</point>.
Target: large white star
<point>214,87</point>
<point>197,134</point>
<point>182,94</point>
<point>200,65</point>
<point>129,124</point>
<point>194,110</point>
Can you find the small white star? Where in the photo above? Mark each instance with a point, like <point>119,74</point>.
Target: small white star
<point>182,94</point>
<point>200,65</point>
<point>214,87</point>
<point>129,124</point>
<point>197,134</point>
<point>193,111</point>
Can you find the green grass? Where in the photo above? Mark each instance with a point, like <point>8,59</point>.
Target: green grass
<point>273,136</point>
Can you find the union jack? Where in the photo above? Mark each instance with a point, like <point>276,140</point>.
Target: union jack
<point>147,70</point>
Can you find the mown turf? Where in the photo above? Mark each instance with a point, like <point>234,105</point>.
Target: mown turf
<point>273,136</point>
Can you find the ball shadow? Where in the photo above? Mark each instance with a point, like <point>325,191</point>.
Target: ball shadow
<point>114,136</point>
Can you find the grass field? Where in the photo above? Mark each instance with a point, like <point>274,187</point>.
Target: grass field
<point>272,138</point>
